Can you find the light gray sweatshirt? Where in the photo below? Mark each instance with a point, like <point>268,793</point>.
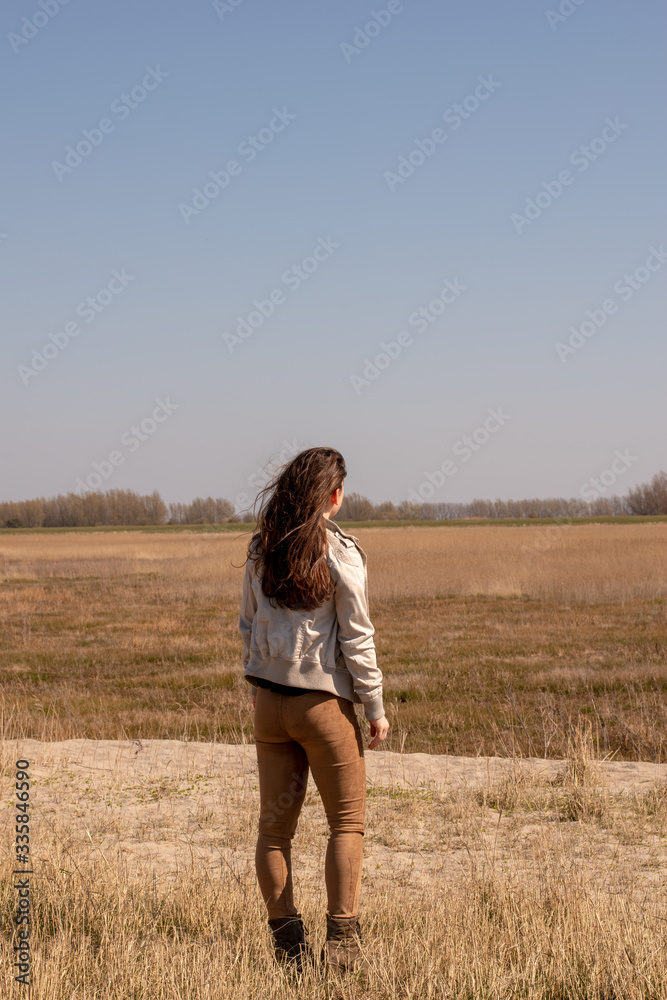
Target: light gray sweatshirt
<point>328,649</point>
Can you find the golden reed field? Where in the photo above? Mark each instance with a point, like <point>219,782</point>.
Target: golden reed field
<point>543,647</point>
<point>492,640</point>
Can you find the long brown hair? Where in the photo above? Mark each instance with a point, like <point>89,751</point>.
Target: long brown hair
<point>291,541</point>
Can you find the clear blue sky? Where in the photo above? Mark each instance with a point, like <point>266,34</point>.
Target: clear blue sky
<point>332,120</point>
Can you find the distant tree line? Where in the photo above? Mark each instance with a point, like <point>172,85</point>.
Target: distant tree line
<point>360,508</point>
<point>115,507</point>
<point>127,508</point>
<point>200,511</point>
<point>649,498</point>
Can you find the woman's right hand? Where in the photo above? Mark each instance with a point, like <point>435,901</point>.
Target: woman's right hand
<point>379,730</point>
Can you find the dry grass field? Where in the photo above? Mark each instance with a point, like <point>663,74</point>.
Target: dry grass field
<point>492,640</point>
<point>531,865</point>
<point>483,879</point>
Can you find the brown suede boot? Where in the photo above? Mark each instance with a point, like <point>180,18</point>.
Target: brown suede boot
<point>289,939</point>
<point>341,951</point>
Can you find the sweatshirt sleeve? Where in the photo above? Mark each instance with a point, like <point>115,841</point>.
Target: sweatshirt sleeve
<point>355,630</point>
<point>248,609</point>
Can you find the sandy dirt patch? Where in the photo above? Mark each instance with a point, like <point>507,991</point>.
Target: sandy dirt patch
<point>160,803</point>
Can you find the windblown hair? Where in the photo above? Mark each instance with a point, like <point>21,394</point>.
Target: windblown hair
<point>290,545</point>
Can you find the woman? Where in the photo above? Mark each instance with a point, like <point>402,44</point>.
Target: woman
<point>308,652</point>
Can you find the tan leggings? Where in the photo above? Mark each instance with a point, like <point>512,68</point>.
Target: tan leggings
<point>319,731</point>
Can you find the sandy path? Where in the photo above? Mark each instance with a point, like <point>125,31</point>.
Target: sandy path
<point>162,804</point>
<point>179,760</point>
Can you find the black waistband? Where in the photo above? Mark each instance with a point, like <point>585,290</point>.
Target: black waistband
<point>281,688</point>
